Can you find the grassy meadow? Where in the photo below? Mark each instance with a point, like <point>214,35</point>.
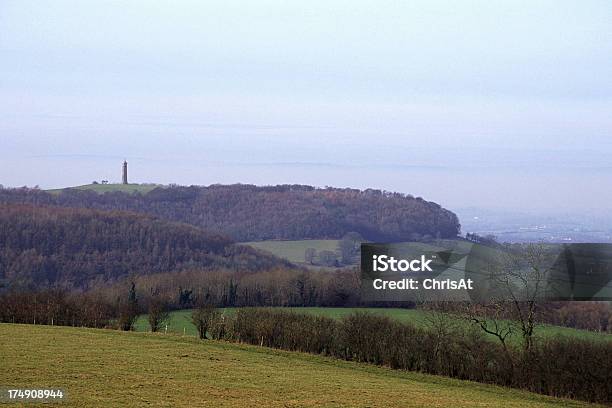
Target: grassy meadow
<point>107,368</point>
<point>294,251</point>
<point>105,188</point>
<point>180,321</point>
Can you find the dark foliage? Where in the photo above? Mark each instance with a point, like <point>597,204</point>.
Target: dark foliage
<point>571,368</point>
<point>128,310</point>
<point>57,307</point>
<point>158,314</point>
<point>205,317</point>
<point>49,246</point>
<point>250,213</point>
<point>281,287</point>
<point>594,316</point>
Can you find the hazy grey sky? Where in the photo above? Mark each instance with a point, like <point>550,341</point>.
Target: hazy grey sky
<point>468,103</point>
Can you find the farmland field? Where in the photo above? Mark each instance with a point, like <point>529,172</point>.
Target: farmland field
<point>106,368</point>
<point>180,321</point>
<point>294,250</point>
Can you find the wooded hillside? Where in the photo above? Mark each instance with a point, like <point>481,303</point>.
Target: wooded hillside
<point>251,213</point>
<point>41,246</point>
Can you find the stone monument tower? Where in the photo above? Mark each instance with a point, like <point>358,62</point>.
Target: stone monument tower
<point>124,179</point>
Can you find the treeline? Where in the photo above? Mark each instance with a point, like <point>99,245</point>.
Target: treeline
<point>77,248</point>
<point>593,316</point>
<point>278,287</point>
<point>563,367</point>
<point>319,288</point>
<point>57,307</point>
<point>251,213</point>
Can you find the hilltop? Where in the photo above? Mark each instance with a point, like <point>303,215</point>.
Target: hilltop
<point>253,213</point>
<point>107,188</point>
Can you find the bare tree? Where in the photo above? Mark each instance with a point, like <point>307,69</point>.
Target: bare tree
<point>525,278</point>
<point>158,314</point>
<point>309,255</point>
<point>205,317</point>
<point>349,247</point>
<point>492,318</point>
<point>520,281</point>
<point>442,323</point>
<point>328,258</point>
<point>128,311</point>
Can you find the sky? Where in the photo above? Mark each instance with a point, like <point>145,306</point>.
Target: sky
<point>504,104</point>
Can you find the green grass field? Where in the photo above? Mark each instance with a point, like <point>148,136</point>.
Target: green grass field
<point>294,250</point>
<point>105,188</point>
<point>107,368</point>
<point>180,322</point>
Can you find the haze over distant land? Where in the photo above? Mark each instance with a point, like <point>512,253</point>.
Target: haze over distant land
<point>496,105</point>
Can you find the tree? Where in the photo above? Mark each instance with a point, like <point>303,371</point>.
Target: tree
<point>232,293</point>
<point>328,258</point>
<point>525,278</point>
<point>492,319</point>
<point>443,326</point>
<point>309,255</point>
<point>350,246</point>
<point>185,299</point>
<point>158,314</point>
<point>128,311</point>
<point>204,317</point>
<point>519,280</point>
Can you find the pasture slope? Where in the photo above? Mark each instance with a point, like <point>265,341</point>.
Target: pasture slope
<point>107,368</point>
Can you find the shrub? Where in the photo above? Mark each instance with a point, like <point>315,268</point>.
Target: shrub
<point>569,368</point>
<point>204,318</point>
